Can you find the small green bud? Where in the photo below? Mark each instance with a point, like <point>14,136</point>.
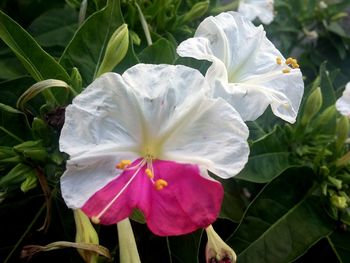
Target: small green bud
<point>338,201</point>
<point>336,182</point>
<point>29,183</point>
<point>116,50</point>
<point>76,80</point>
<point>32,149</point>
<point>197,11</point>
<point>312,106</point>
<point>86,233</point>
<point>324,118</point>
<point>342,131</point>
<point>324,170</point>
<point>17,175</point>
<point>135,38</point>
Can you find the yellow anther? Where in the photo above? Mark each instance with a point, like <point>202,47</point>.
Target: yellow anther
<point>289,61</point>
<point>149,173</point>
<point>123,164</point>
<point>294,61</point>
<point>286,70</point>
<point>295,65</point>
<point>160,184</point>
<point>279,60</point>
<point>95,220</point>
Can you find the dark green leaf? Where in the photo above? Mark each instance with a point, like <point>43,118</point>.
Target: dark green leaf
<point>87,48</point>
<point>162,51</point>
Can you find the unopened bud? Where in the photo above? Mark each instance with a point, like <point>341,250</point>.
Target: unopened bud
<point>342,131</point>
<point>312,106</point>
<point>76,80</point>
<point>217,250</point>
<point>197,11</point>
<point>29,183</point>
<point>323,120</point>
<point>338,201</point>
<point>336,182</point>
<point>86,233</point>
<point>116,50</point>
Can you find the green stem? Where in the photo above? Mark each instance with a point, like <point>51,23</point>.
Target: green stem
<point>144,25</point>
<point>11,134</point>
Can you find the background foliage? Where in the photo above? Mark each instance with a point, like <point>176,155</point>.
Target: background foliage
<point>285,206</point>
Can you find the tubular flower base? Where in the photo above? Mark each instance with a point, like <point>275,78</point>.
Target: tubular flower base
<point>247,70</point>
<point>146,140</point>
<point>217,251</point>
<point>127,245</point>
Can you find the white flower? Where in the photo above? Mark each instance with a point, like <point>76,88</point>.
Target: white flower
<point>145,140</point>
<point>343,103</point>
<point>247,70</point>
<point>263,9</point>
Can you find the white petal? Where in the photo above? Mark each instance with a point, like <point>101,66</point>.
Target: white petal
<point>105,115</point>
<point>214,136</point>
<point>343,103</point>
<point>251,67</point>
<point>263,9</point>
<point>86,175</point>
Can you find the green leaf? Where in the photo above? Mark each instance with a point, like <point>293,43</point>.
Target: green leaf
<point>339,242</point>
<point>233,205</point>
<point>17,175</point>
<point>327,88</point>
<point>86,50</point>
<point>282,222</point>
<point>183,249</point>
<point>38,63</point>
<point>162,51</point>
<point>51,30</point>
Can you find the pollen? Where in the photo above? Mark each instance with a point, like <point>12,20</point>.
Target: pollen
<point>279,61</point>
<point>286,70</point>
<point>289,61</point>
<point>149,173</point>
<point>123,164</point>
<point>160,184</point>
<point>95,220</point>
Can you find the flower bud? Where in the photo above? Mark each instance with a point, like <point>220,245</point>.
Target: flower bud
<point>198,10</point>
<point>76,80</point>
<point>312,106</point>
<point>127,245</point>
<point>17,175</point>
<point>29,183</point>
<point>86,233</point>
<point>116,50</point>
<point>342,131</point>
<point>217,250</point>
<point>324,118</point>
<point>338,201</point>
<point>336,182</point>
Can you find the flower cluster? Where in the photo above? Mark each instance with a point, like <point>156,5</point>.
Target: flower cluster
<point>146,139</point>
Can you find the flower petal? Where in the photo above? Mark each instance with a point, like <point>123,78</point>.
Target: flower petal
<point>215,125</point>
<point>343,103</point>
<point>86,175</point>
<point>250,59</point>
<point>251,9</point>
<point>188,202</point>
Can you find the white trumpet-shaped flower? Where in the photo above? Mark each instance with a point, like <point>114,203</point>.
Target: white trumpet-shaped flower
<point>263,9</point>
<point>145,140</point>
<point>247,70</point>
<point>343,103</point>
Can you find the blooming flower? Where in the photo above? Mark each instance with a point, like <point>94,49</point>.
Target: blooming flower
<point>247,70</point>
<point>251,9</point>
<point>145,140</point>
<point>343,103</point>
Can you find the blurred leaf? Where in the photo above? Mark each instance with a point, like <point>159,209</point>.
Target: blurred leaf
<point>233,205</point>
<point>86,49</point>
<point>50,29</point>
<point>340,241</point>
<point>183,249</point>
<point>283,221</point>
<point>327,88</point>
<point>160,52</point>
<point>37,62</point>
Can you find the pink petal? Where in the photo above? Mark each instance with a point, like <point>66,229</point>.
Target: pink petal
<point>189,202</point>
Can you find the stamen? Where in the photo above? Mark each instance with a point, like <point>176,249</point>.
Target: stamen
<point>279,61</point>
<point>160,184</point>
<point>149,173</point>
<point>123,164</point>
<point>286,70</point>
<point>96,219</point>
<point>289,61</point>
